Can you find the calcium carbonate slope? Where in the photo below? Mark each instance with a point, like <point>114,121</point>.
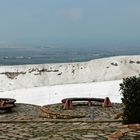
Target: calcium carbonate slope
<point>54,94</point>
<point>106,69</point>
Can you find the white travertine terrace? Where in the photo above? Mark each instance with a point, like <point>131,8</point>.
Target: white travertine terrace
<point>106,69</point>
<point>54,94</point>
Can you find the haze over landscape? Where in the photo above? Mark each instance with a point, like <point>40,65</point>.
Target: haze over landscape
<point>66,31</point>
<point>66,68</point>
<point>52,31</point>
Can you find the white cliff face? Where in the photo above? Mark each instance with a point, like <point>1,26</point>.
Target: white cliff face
<point>25,76</point>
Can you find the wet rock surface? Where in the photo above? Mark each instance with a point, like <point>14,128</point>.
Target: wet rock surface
<point>25,123</point>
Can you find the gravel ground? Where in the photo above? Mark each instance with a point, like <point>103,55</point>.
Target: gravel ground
<point>25,123</point>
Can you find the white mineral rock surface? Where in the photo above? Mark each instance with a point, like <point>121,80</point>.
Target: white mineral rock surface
<point>107,69</point>
<point>54,94</point>
<point>49,83</point>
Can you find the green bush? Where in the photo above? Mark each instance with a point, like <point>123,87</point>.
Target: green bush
<point>130,89</point>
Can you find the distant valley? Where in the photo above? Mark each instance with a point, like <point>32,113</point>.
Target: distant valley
<point>20,55</point>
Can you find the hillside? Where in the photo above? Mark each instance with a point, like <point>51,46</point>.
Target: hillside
<point>106,69</point>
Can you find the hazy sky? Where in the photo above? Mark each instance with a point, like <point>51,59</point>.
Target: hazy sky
<point>69,21</point>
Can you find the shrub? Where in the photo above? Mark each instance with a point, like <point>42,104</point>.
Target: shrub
<point>130,89</point>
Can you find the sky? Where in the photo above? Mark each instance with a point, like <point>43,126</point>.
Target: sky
<point>66,22</point>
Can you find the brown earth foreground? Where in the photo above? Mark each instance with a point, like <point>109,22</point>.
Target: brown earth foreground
<point>30,122</point>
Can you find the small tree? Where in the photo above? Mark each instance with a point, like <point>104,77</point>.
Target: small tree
<point>130,89</point>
